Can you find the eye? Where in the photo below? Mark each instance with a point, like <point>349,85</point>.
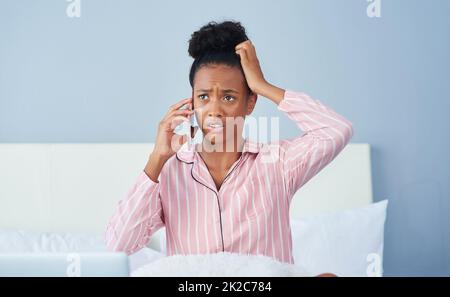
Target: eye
<point>201,97</point>
<point>229,98</point>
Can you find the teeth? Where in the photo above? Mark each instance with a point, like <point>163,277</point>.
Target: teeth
<point>215,125</point>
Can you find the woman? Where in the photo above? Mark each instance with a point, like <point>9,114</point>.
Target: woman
<point>231,198</point>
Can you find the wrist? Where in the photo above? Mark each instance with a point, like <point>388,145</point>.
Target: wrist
<point>271,92</point>
<point>158,158</point>
<point>261,87</point>
<point>154,165</point>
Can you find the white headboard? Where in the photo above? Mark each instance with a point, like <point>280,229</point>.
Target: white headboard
<point>75,187</point>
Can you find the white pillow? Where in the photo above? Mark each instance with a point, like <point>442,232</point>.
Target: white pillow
<point>346,243</point>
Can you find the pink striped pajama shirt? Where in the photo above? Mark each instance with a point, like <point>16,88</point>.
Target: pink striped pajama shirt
<point>250,212</point>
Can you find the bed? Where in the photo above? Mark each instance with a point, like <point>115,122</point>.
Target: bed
<point>74,187</point>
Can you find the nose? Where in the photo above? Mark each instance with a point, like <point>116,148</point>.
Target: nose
<point>215,109</point>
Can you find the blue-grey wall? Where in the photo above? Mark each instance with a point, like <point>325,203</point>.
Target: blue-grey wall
<point>110,75</point>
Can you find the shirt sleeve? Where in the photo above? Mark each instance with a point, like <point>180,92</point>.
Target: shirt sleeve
<point>136,218</point>
<point>326,133</point>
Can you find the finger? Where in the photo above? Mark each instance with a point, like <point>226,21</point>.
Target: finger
<point>243,44</point>
<point>249,47</point>
<point>182,112</point>
<point>243,54</point>
<point>240,52</point>
<point>186,106</point>
<point>180,104</point>
<point>250,52</point>
<point>252,49</point>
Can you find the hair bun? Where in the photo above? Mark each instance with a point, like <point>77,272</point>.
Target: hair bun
<point>216,37</point>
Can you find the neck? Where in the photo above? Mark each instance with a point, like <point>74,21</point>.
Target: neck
<point>220,160</point>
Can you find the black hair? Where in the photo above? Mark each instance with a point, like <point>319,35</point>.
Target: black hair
<point>215,43</point>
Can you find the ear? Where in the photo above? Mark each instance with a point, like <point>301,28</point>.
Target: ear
<point>251,102</point>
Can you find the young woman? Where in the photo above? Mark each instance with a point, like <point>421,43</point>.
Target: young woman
<point>234,198</point>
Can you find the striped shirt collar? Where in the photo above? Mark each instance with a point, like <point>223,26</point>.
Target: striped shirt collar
<point>187,152</point>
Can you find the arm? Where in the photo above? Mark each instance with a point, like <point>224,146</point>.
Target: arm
<point>139,214</point>
<point>326,134</point>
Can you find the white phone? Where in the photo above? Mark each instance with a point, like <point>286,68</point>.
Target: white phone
<point>185,128</point>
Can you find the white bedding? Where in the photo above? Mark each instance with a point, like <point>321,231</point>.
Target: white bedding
<point>22,241</point>
<point>346,243</point>
<point>219,265</point>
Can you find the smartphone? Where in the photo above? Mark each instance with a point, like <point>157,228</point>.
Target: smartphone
<point>185,127</point>
<point>192,129</point>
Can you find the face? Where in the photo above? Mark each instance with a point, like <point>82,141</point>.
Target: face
<point>221,102</point>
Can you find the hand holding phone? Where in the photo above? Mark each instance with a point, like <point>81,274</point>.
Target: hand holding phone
<point>167,142</point>
<point>185,127</point>
<point>191,128</point>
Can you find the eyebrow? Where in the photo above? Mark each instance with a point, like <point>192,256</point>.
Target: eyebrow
<point>225,90</point>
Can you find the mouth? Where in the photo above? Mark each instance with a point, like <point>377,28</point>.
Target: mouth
<point>214,127</point>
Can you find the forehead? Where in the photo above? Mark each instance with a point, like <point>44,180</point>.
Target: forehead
<point>222,76</point>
